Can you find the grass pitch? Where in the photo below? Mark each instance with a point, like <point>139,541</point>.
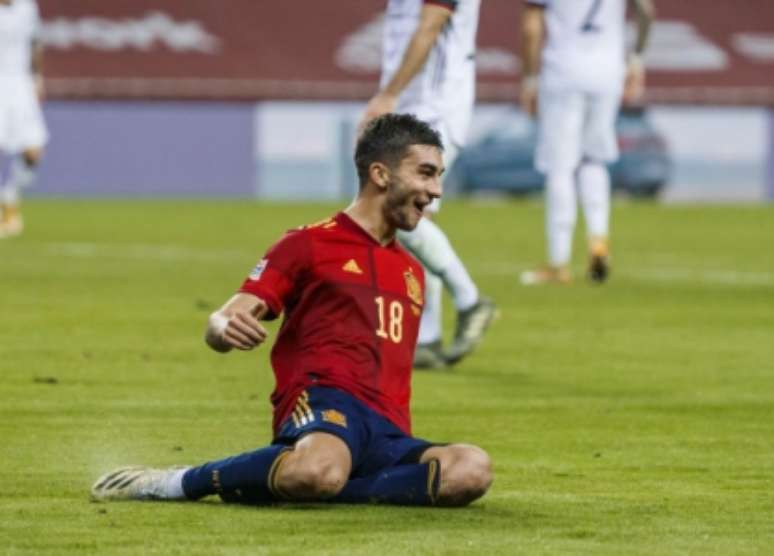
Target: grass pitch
<point>633,418</point>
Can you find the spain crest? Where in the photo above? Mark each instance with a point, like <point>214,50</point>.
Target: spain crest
<point>413,289</point>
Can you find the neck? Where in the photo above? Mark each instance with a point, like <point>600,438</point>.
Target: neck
<point>367,213</point>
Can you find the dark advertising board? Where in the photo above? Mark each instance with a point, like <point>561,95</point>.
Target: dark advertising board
<point>304,49</point>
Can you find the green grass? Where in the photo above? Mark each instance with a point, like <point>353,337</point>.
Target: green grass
<point>634,418</point>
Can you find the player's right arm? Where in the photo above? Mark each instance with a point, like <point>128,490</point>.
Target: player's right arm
<point>532,33</point>
<point>634,84</point>
<point>236,324</point>
<point>262,296</point>
<point>432,19</point>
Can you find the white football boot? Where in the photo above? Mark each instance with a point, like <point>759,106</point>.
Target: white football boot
<point>135,483</point>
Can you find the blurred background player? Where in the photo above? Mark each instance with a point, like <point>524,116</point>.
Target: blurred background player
<point>22,129</point>
<point>584,72</point>
<point>428,70</point>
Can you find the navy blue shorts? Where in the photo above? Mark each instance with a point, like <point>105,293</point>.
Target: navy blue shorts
<point>374,442</point>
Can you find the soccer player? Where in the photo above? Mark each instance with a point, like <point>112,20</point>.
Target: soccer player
<point>583,74</point>
<point>23,132</point>
<point>428,70</point>
<point>352,299</point>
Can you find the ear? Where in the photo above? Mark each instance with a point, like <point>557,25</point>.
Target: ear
<point>379,173</point>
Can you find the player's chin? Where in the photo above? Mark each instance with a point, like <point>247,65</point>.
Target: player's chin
<point>406,217</point>
<point>411,218</point>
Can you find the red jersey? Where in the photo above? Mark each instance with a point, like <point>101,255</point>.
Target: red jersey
<point>352,310</point>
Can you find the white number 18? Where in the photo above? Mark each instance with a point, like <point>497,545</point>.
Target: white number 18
<point>394,329</point>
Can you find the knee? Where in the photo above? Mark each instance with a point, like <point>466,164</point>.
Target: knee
<point>466,476</point>
<point>311,480</point>
<point>321,480</point>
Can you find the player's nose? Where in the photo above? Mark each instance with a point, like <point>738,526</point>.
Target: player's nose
<point>435,188</point>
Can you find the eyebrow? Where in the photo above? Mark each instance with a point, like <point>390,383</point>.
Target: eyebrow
<point>429,166</point>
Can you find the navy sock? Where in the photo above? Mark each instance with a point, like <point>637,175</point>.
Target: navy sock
<point>407,485</point>
<point>243,479</point>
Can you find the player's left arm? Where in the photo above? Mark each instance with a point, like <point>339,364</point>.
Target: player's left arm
<point>634,85</point>
<point>433,18</point>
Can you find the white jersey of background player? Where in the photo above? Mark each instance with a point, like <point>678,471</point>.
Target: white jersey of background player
<point>22,129</point>
<point>584,72</point>
<point>428,69</point>
<point>442,92</point>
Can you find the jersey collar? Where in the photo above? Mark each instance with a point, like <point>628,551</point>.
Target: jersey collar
<point>343,220</point>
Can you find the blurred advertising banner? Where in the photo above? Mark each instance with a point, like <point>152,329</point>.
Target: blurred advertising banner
<point>719,52</point>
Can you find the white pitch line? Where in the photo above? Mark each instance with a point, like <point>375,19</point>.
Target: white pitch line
<point>652,274</point>
<point>171,253</point>
<point>721,277</point>
<point>177,253</point>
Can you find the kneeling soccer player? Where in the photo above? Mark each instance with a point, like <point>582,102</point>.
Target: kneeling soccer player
<point>352,299</point>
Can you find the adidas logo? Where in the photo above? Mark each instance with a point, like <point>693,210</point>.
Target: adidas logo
<point>351,266</point>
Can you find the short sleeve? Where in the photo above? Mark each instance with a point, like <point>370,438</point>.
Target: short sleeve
<point>280,273</point>
<point>450,4</point>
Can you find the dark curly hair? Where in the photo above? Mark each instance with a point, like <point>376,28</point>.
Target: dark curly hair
<point>387,139</point>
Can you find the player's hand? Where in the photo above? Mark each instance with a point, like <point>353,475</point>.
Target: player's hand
<point>241,330</point>
<point>528,95</point>
<point>381,103</point>
<point>40,87</point>
<point>634,85</point>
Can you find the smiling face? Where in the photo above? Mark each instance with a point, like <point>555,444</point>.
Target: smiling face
<point>413,185</point>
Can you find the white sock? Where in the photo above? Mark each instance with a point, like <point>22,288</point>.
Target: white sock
<point>21,175</point>
<point>561,214</point>
<point>430,323</point>
<point>9,194</point>
<point>457,279</point>
<point>173,485</point>
<point>594,190</point>
<point>430,245</point>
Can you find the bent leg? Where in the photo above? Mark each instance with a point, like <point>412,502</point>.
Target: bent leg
<point>465,474</point>
<point>242,479</point>
<point>454,475</point>
<point>428,243</point>
<point>316,469</point>
<point>430,321</point>
<point>405,485</point>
